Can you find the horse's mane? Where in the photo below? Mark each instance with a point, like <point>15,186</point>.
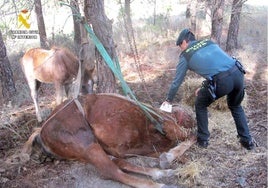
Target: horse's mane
<point>66,50</point>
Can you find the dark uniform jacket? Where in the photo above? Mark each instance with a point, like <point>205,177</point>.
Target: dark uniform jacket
<point>204,58</point>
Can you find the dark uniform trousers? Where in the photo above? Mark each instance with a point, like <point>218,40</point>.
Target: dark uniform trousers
<point>230,83</point>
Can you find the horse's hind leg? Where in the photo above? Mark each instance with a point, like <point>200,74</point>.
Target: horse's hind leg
<point>34,85</point>
<point>97,157</point>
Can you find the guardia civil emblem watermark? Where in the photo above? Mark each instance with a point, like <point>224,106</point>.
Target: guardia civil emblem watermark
<point>24,27</point>
<point>23,19</point>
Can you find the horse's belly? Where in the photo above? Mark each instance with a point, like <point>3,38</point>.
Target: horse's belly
<point>136,137</point>
<point>44,76</point>
<point>66,133</point>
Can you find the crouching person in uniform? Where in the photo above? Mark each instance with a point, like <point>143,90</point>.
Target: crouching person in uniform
<point>224,76</point>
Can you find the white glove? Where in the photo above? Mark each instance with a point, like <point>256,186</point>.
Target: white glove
<point>166,106</point>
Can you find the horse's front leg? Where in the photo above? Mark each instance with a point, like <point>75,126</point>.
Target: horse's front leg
<point>87,87</point>
<point>87,82</point>
<point>91,85</point>
<point>155,173</point>
<point>60,92</point>
<point>167,158</point>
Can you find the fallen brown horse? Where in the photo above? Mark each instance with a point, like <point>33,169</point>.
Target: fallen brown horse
<point>106,124</point>
<point>58,66</point>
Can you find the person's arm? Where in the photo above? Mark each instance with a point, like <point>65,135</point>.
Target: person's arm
<point>181,70</point>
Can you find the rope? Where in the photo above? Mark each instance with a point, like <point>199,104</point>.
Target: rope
<point>133,48</point>
<point>117,72</point>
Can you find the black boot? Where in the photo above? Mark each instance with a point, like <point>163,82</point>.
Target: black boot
<point>249,145</point>
<point>202,143</point>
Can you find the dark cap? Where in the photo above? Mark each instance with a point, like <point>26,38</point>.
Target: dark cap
<point>182,36</point>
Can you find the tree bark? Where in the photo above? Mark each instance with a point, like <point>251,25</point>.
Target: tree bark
<point>234,25</point>
<point>127,11</point>
<point>77,32</point>
<point>6,75</point>
<point>102,27</point>
<point>217,7</point>
<point>193,7</point>
<point>41,24</point>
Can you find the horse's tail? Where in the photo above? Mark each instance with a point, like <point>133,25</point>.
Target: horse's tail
<point>27,148</point>
<point>23,60</point>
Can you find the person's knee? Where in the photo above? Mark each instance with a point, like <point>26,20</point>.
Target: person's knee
<point>235,108</point>
<point>202,103</point>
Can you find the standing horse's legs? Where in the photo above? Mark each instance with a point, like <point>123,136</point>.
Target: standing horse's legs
<point>68,89</point>
<point>87,82</point>
<point>71,90</point>
<point>90,85</point>
<point>34,85</point>
<point>60,92</point>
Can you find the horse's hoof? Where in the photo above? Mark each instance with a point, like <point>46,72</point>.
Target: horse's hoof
<point>24,157</point>
<point>18,159</point>
<point>165,160</point>
<point>39,119</point>
<point>163,173</point>
<point>170,186</point>
<point>170,172</point>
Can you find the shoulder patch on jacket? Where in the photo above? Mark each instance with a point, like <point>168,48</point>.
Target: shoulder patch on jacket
<point>188,53</point>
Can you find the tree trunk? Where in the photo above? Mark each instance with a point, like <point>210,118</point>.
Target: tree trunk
<point>234,25</point>
<point>41,24</point>
<point>127,11</point>
<point>193,7</point>
<point>6,75</point>
<point>77,32</point>
<point>154,12</point>
<point>102,27</point>
<point>217,19</point>
<point>129,28</point>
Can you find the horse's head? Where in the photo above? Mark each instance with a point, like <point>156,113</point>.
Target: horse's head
<point>184,117</point>
<point>179,124</point>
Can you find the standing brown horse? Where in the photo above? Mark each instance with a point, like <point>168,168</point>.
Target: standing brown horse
<point>58,66</point>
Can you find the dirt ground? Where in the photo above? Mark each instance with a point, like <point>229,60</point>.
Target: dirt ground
<point>223,164</point>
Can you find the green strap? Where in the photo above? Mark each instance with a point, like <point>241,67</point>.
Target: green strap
<point>118,74</point>
<point>115,67</point>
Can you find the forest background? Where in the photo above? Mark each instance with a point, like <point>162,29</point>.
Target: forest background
<point>156,25</point>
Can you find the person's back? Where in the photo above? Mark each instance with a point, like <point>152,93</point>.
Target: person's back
<point>206,58</point>
<point>224,76</point>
